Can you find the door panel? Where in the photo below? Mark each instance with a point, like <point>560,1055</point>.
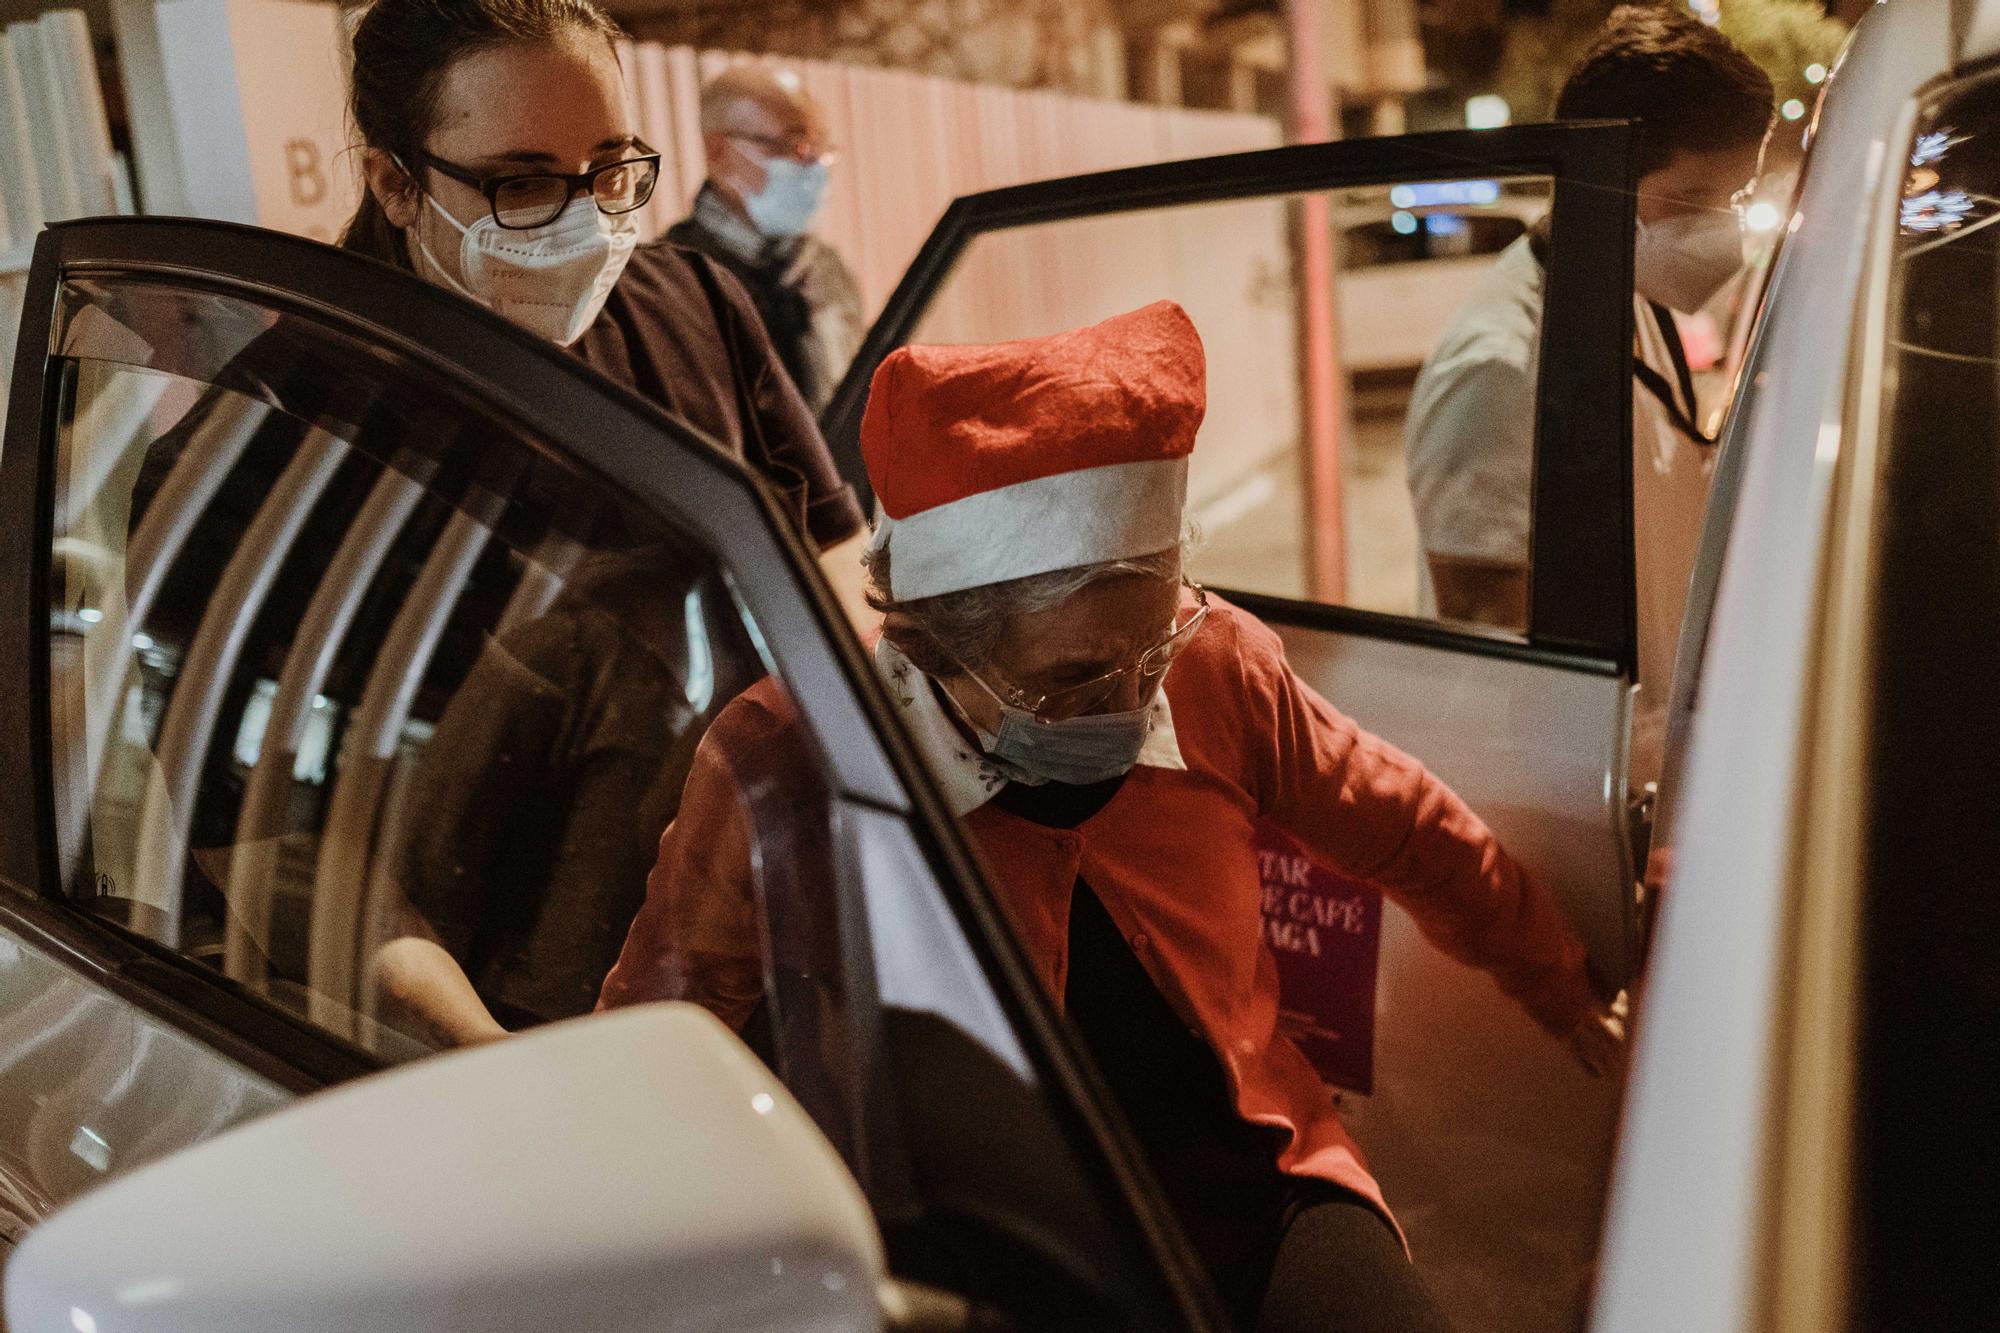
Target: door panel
<point>1489,1140</point>
<point>89,1085</point>
<point>1491,1145</point>
<point>1534,747</point>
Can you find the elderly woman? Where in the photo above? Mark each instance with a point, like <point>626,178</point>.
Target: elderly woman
<point>1110,737</point>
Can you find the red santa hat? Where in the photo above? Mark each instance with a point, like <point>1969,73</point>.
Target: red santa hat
<point>998,462</point>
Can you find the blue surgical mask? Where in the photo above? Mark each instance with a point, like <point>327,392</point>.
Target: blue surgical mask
<point>790,199</point>
<point>1078,751</point>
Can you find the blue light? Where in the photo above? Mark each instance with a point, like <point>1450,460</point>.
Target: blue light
<point>1937,211</point>
<point>1404,223</point>
<point>1932,147</point>
<point>1444,224</point>
<point>1445,194</point>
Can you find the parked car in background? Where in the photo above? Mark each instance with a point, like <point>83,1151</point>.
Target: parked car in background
<point>248,482</point>
<point>1410,256</point>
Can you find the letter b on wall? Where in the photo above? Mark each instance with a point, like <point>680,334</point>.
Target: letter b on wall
<point>302,165</point>
<point>256,91</point>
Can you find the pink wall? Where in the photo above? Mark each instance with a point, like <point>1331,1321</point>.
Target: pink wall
<point>911,143</point>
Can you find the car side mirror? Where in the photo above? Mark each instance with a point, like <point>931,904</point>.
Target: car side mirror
<point>632,1170</point>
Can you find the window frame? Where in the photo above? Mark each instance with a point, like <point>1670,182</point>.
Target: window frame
<point>1582,609</point>
<point>614,436</point>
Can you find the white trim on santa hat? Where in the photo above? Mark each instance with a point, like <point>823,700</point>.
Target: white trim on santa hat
<point>1086,517</point>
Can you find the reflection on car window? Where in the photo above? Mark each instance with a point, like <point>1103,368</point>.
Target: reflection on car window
<point>1922,1151</point>
<point>1406,237</point>
<point>366,700</point>
<point>361,699</point>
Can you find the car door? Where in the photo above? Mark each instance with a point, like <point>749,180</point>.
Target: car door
<point>348,628</point>
<point>1489,1143</point>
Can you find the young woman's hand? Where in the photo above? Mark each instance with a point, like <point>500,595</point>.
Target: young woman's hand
<point>431,994</point>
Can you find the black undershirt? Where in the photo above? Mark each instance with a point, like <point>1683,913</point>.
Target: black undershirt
<point>1219,1171</point>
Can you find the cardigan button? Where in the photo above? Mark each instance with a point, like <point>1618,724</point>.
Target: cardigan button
<point>1140,942</point>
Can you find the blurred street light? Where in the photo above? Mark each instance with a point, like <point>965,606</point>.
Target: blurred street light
<point>1488,111</point>
<point>1793,109</point>
<point>1815,73</point>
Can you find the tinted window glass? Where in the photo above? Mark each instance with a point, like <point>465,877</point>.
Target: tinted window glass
<point>368,700</point>
<point>1923,1150</point>
<point>352,678</point>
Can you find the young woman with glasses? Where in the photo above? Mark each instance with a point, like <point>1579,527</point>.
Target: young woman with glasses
<point>501,162</point>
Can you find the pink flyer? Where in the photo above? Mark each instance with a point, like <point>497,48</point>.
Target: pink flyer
<point>1325,931</point>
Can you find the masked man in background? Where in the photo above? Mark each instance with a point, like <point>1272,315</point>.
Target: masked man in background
<point>1703,110</point>
<point>768,158</point>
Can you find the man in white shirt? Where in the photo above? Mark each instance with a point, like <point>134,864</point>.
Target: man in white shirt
<point>1703,108</point>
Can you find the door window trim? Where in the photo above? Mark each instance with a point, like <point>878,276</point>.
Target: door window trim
<point>1581,588</point>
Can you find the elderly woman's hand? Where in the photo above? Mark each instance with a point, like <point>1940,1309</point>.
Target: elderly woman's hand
<point>1599,1041</point>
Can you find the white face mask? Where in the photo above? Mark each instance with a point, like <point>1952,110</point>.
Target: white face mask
<point>790,199</point>
<point>551,280</point>
<point>1683,261</point>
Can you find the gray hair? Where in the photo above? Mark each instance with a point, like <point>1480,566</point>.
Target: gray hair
<point>767,85</point>
<point>958,631</point>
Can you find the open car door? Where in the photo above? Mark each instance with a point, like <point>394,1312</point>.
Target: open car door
<point>338,614</point>
<point>1490,1143</point>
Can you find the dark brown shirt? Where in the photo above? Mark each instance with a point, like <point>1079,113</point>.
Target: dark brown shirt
<point>554,770</point>
<point>660,336</point>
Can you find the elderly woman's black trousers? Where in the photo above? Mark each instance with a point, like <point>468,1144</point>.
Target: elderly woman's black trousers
<point>1286,1253</point>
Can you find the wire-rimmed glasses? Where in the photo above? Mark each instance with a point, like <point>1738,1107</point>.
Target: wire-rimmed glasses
<point>1075,700</point>
<point>805,149</point>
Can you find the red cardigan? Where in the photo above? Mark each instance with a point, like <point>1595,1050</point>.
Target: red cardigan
<point>1173,857</point>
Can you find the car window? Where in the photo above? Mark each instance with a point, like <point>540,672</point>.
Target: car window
<point>381,700</point>
<point>1436,320</point>
<point>1925,984</point>
<point>348,680</point>
<point>1416,234</point>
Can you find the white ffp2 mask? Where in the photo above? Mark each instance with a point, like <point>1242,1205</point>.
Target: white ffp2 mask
<point>552,279</point>
<point>1683,261</point>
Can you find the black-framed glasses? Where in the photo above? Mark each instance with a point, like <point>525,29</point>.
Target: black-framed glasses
<point>1075,700</point>
<point>535,199</point>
